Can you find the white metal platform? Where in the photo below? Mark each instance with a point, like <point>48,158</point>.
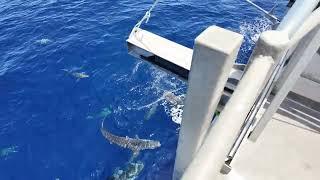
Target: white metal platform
<point>170,55</point>
<point>164,48</point>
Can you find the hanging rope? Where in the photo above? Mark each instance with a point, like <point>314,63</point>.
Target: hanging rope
<point>146,17</point>
<point>269,14</point>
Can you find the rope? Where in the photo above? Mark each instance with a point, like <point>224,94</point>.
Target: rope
<point>273,18</point>
<point>146,17</point>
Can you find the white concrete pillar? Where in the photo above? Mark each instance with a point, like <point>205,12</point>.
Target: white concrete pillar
<point>214,54</point>
<point>301,57</point>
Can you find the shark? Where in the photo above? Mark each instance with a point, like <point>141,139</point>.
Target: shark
<point>134,144</point>
<point>131,172</point>
<point>173,99</point>
<point>80,75</point>
<point>77,75</point>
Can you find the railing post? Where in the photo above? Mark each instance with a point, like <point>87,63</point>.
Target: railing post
<point>303,54</point>
<point>297,15</point>
<point>211,156</point>
<point>214,54</point>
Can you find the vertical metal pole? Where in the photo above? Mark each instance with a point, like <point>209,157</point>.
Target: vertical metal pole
<point>214,54</point>
<point>303,54</point>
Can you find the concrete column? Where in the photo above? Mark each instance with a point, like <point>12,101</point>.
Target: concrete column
<point>303,54</point>
<point>214,54</point>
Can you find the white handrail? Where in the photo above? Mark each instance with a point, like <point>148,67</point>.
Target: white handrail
<point>223,133</point>
<point>310,24</point>
<point>297,15</point>
<point>307,26</point>
<point>210,158</point>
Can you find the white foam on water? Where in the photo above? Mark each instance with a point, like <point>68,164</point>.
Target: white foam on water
<point>43,41</point>
<point>176,113</point>
<point>136,67</point>
<point>162,85</point>
<point>174,110</point>
<point>252,30</point>
<point>162,81</point>
<point>154,92</point>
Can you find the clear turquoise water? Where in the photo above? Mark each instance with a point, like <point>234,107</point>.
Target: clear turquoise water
<point>50,120</point>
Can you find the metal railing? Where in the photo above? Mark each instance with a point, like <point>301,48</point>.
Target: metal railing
<point>308,42</point>
<point>296,16</point>
<point>267,60</point>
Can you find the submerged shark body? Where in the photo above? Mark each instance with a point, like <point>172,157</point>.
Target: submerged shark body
<point>134,144</point>
<point>173,99</point>
<point>131,172</point>
<point>78,75</point>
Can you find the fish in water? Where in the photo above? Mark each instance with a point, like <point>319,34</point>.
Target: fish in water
<point>131,172</point>
<point>78,75</point>
<point>135,144</point>
<point>105,112</point>
<point>173,99</point>
<point>43,41</point>
<point>151,111</point>
<point>5,153</point>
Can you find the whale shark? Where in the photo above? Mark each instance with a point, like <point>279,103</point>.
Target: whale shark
<point>134,144</point>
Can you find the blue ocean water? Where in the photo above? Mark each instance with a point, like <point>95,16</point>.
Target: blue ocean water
<point>50,119</point>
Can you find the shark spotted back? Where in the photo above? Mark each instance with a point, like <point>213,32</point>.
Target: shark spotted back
<point>135,144</point>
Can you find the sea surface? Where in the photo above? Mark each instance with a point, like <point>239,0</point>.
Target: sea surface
<point>64,67</point>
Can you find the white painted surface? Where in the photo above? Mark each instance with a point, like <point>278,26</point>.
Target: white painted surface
<point>214,54</point>
<point>303,54</point>
<point>296,16</point>
<point>164,48</point>
<point>171,51</point>
<point>288,149</point>
<point>312,72</point>
<point>308,85</point>
<point>209,159</point>
<point>307,88</point>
